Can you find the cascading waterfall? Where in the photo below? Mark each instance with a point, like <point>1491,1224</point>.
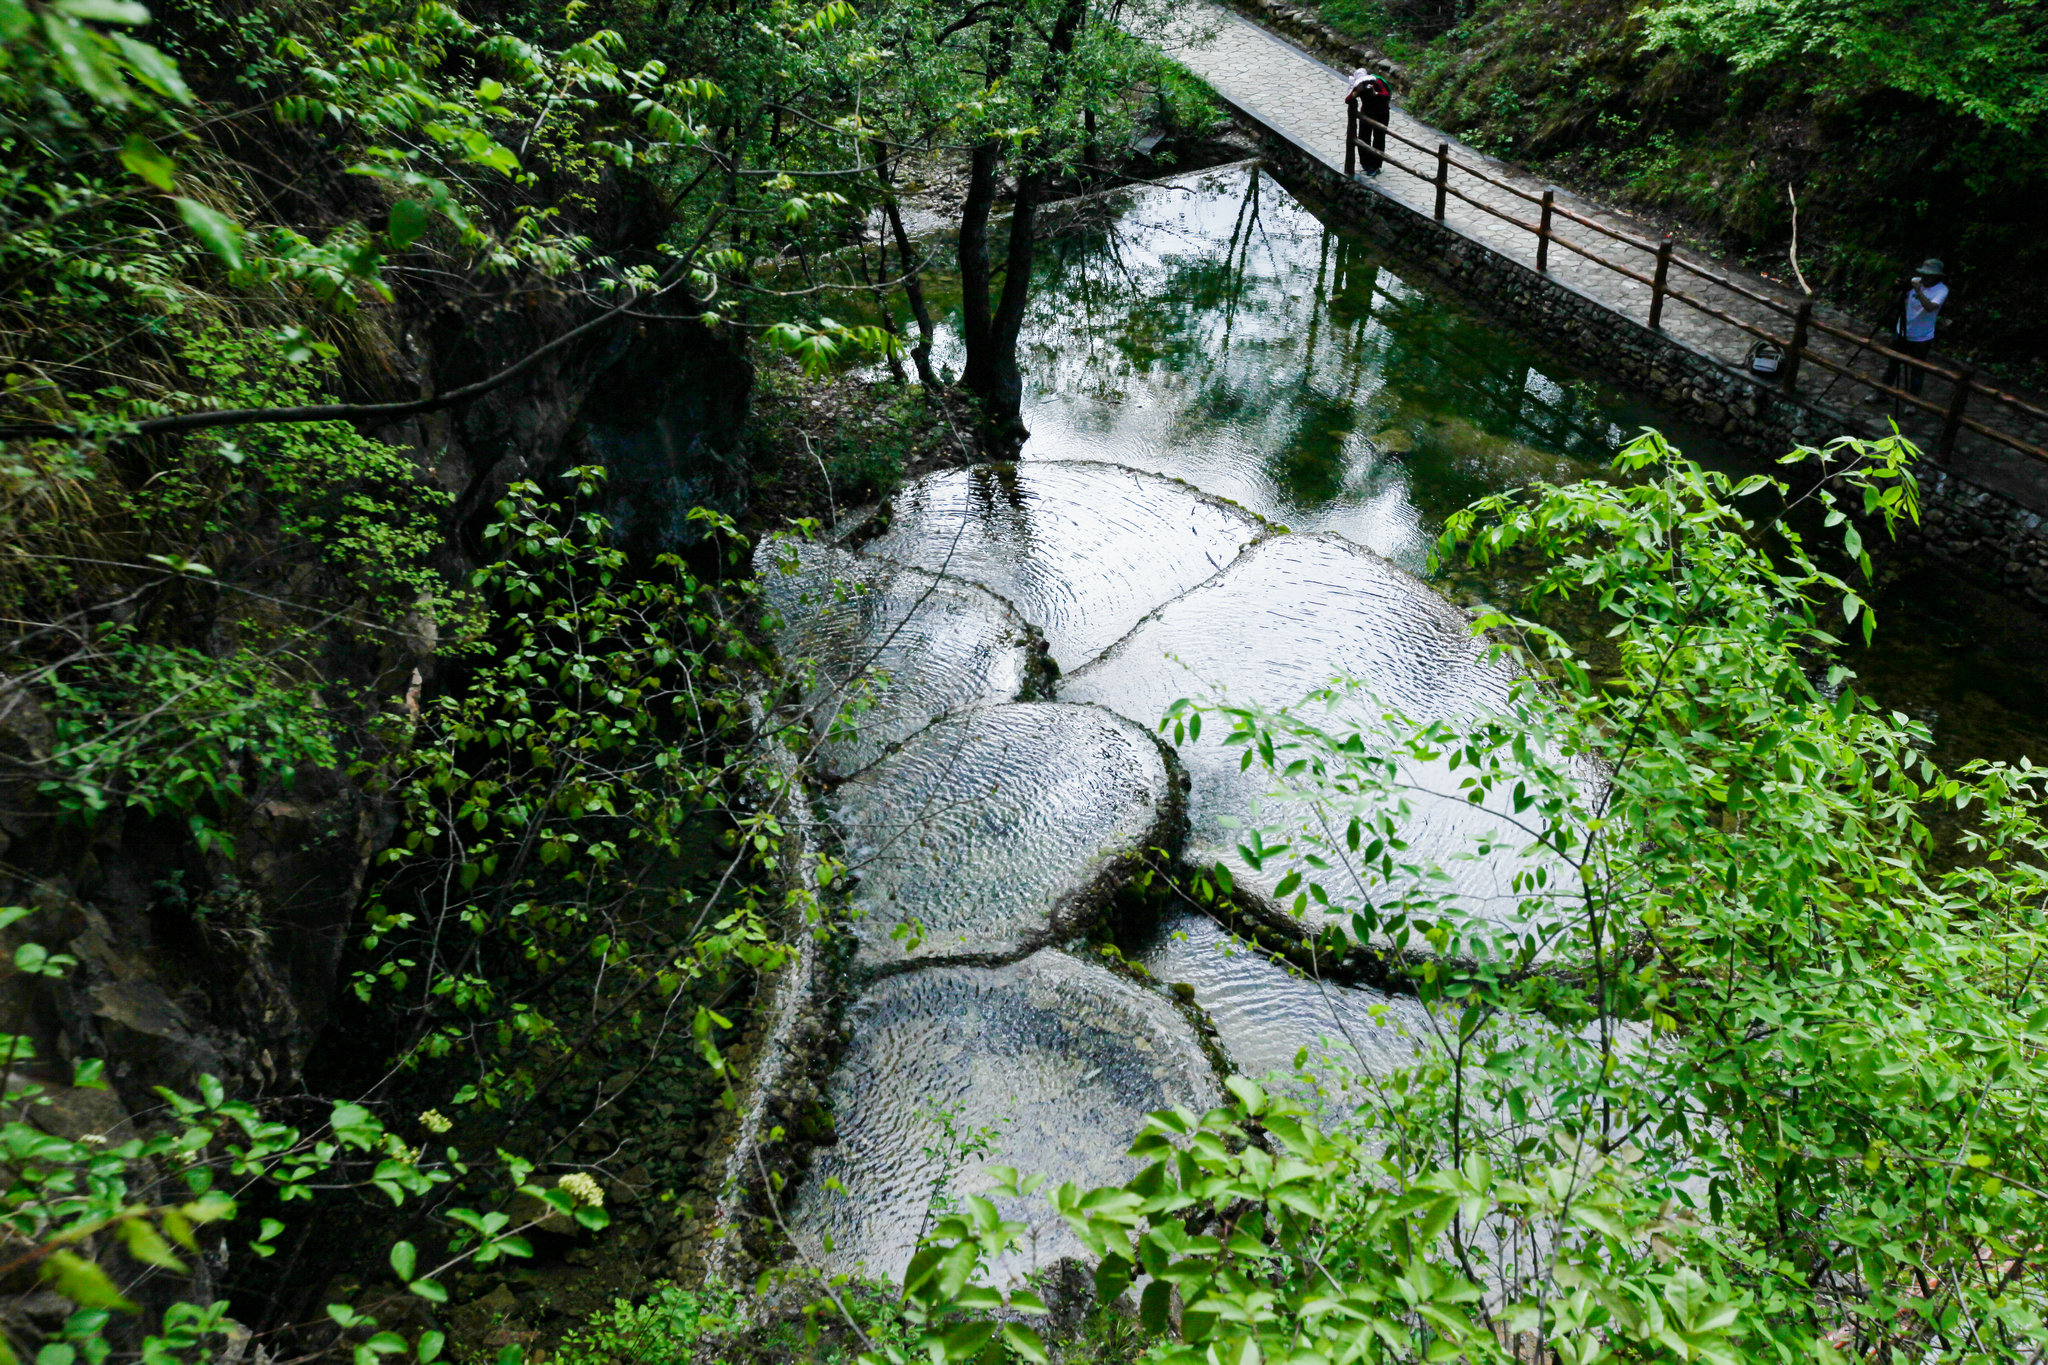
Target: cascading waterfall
<point>982,831</point>
<point>990,833</point>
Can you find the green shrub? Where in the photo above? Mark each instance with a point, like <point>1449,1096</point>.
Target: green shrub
<point>665,1328</point>
<point>551,813</point>
<point>107,1224</point>
<point>866,470</point>
<point>1367,19</point>
<point>163,729</point>
<point>866,460</point>
<point>364,507</point>
<point>1187,106</point>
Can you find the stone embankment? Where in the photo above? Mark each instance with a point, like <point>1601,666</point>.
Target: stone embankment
<point>1983,511</point>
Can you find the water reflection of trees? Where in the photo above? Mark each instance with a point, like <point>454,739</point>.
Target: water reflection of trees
<point>1231,303</point>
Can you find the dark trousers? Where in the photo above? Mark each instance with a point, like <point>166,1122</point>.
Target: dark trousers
<point>1915,378</point>
<point>1373,141</point>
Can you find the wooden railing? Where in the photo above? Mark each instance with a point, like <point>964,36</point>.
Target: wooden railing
<point>1965,388</point>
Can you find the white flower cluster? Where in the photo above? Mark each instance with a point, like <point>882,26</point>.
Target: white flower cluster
<point>583,1188</point>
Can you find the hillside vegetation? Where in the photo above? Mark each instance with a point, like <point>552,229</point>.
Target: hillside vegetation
<point>1905,130</point>
<point>396,795</point>
<point>381,777</point>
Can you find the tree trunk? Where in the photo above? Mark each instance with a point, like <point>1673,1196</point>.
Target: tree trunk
<point>913,283</point>
<point>1003,398</point>
<point>991,373</point>
<point>977,375</point>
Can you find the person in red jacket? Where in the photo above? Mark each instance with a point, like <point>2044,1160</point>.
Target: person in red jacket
<point>1372,98</point>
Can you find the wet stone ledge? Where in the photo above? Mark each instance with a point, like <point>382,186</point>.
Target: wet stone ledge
<point>1292,614</point>
<point>1082,549</point>
<point>994,833</point>
<point>1000,828</point>
<point>1059,1057</point>
<point>883,648</point>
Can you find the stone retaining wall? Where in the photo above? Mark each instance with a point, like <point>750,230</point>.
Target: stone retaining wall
<point>1975,528</point>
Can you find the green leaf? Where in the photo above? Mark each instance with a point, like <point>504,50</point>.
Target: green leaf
<point>142,158</point>
<point>82,1282</point>
<point>355,1125</point>
<point>963,1340</point>
<point>1153,1306</point>
<point>146,1244</point>
<point>211,1207</point>
<point>152,68</point>
<point>403,1259</point>
<point>430,1347</point>
<point>1024,1342</point>
<point>104,11</point>
<point>214,230</point>
<point>82,59</point>
<point>408,222</point>
<point>178,1228</point>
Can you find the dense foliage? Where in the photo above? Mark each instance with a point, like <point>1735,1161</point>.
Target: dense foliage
<point>1758,1078</point>
<point>108,1223</point>
<point>209,237</point>
<point>597,794</point>
<point>258,262</point>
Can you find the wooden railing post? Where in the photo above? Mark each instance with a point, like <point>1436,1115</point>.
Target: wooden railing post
<point>1789,377</point>
<point>1657,285</point>
<point>1443,176</point>
<point>1543,234</point>
<point>1350,142</point>
<point>1952,424</point>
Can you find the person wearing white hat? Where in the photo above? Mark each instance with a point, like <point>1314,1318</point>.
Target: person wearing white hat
<point>1371,98</point>
<point>1925,294</point>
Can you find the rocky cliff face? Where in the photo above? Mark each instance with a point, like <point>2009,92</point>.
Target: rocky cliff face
<point>218,962</point>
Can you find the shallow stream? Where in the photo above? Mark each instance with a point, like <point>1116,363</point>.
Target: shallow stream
<point>1246,430</point>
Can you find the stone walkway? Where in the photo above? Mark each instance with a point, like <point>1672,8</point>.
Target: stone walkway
<point>1286,89</point>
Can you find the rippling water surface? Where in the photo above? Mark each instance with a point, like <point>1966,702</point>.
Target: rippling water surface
<point>1081,549</point>
<point>1293,615</point>
<point>1057,1060</point>
<point>1267,1015</point>
<point>1217,331</point>
<point>990,832</point>
<point>885,647</point>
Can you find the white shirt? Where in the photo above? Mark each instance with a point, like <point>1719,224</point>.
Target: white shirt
<point>1919,317</point>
